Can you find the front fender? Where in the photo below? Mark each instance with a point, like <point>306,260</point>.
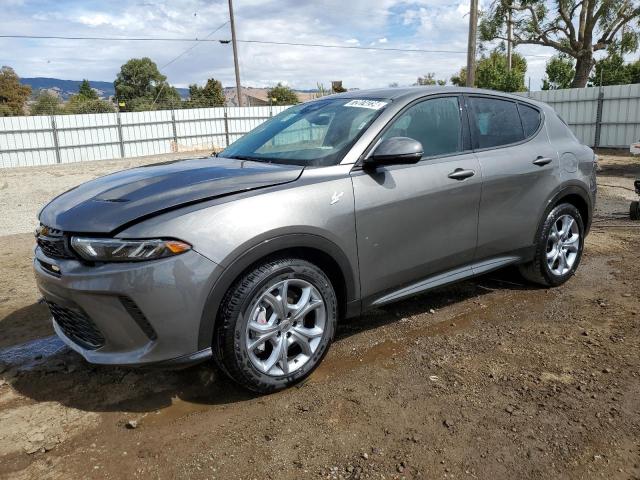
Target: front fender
<point>265,248</point>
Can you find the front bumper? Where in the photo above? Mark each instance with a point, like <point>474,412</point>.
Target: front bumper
<point>129,313</point>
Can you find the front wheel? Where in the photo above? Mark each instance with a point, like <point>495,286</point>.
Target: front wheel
<point>275,324</point>
<point>558,248</point>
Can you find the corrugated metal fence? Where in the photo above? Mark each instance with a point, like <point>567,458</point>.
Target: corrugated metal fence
<point>604,117</point>
<point>45,140</point>
<point>600,117</point>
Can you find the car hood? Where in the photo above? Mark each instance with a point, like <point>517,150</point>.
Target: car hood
<point>107,203</point>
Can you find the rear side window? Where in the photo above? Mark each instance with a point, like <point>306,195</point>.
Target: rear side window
<point>496,122</point>
<point>530,119</point>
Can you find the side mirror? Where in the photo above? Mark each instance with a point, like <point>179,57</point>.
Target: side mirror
<point>395,151</point>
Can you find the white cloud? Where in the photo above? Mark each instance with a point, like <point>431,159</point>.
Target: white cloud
<point>422,24</point>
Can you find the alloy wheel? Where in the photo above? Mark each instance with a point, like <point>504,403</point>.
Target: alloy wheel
<point>285,326</point>
<point>563,245</point>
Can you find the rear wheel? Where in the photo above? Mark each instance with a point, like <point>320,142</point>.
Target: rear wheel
<point>559,247</point>
<point>276,324</point>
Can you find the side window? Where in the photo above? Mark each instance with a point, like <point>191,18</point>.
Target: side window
<point>434,123</point>
<point>496,122</point>
<point>530,119</point>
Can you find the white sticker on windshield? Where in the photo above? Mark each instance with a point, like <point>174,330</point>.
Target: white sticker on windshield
<point>372,104</point>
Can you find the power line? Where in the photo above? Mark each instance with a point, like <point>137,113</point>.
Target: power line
<point>263,42</point>
<point>359,47</point>
<point>183,54</point>
<point>116,39</point>
<point>193,46</point>
<point>267,42</point>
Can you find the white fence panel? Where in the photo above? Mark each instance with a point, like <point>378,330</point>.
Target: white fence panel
<point>146,133</point>
<point>619,120</point>
<point>200,128</point>
<point>613,111</point>
<point>73,138</point>
<point>90,136</point>
<point>244,119</point>
<point>26,141</point>
<point>620,115</point>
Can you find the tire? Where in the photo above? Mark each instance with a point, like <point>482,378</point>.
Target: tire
<point>554,245</point>
<point>634,210</point>
<point>253,313</point>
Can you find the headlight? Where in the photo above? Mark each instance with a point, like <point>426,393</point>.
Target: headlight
<point>116,250</point>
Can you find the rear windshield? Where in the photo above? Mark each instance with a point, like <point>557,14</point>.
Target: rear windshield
<point>317,133</point>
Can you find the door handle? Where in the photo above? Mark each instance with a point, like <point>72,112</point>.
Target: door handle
<point>461,174</point>
<point>542,161</point>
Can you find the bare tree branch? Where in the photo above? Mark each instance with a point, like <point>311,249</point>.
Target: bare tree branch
<point>571,33</point>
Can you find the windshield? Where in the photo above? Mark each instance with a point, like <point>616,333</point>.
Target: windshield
<point>315,133</point>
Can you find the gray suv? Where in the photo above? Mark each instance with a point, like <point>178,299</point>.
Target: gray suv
<point>333,207</point>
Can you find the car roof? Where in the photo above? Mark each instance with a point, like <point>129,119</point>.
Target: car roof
<point>411,93</point>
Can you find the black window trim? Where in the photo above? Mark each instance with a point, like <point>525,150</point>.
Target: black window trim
<point>467,143</point>
<point>538,128</point>
<point>474,139</point>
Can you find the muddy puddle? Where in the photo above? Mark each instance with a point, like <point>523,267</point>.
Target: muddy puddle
<point>32,354</point>
<point>383,353</point>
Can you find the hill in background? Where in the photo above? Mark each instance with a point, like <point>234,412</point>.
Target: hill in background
<point>66,88</point>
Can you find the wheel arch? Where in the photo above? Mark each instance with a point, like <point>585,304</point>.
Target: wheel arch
<point>581,204</point>
<point>322,252</point>
<point>577,196</point>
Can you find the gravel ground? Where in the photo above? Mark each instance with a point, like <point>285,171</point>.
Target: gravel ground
<point>490,378</point>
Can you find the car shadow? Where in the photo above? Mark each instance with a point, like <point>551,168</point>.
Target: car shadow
<point>26,323</point>
<point>63,376</point>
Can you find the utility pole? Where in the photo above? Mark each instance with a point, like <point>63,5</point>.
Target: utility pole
<point>509,37</point>
<point>471,47</point>
<point>235,53</point>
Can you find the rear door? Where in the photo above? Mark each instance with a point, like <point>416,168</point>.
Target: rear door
<point>417,220</point>
<point>519,171</point>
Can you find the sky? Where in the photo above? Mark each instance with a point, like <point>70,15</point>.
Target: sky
<point>404,24</point>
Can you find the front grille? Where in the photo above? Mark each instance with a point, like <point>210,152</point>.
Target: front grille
<point>77,326</point>
<point>53,243</point>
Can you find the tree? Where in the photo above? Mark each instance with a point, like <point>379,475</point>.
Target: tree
<point>320,91</point>
<point>85,91</point>
<point>577,28</point>
<point>429,79</point>
<point>282,95</point>
<point>336,87</point>
<point>559,72</point>
<point>634,70</point>
<point>612,70</point>
<point>141,86</point>
<point>13,95</point>
<point>80,104</point>
<point>46,103</point>
<point>211,95</point>
<point>460,79</point>
<point>492,72</point>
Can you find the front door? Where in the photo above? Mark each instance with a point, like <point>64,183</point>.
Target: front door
<point>414,221</point>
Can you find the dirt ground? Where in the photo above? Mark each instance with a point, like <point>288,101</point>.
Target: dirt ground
<point>490,378</point>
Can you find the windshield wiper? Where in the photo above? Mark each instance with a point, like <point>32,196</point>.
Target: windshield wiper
<point>246,157</point>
